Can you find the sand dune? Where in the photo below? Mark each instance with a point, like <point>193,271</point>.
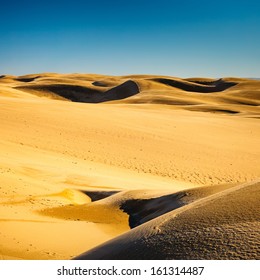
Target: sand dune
<point>226,95</point>
<point>222,226</point>
<point>147,165</point>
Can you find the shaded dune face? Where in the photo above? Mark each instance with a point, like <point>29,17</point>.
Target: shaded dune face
<point>27,79</point>
<point>97,195</point>
<point>225,225</point>
<point>122,91</point>
<point>79,93</point>
<point>143,210</point>
<point>72,92</point>
<point>195,86</point>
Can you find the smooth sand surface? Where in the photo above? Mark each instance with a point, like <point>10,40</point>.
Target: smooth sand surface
<point>75,175</point>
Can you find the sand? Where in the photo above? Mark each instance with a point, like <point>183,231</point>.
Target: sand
<point>215,227</point>
<point>87,159</point>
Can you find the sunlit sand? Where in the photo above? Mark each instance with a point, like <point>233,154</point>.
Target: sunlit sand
<point>129,167</point>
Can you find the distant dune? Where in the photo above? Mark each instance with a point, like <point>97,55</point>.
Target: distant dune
<point>226,95</point>
<point>132,167</point>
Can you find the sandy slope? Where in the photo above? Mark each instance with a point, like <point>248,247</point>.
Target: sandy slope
<point>74,175</point>
<point>225,225</point>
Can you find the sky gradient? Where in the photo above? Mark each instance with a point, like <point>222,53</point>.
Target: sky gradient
<point>176,38</point>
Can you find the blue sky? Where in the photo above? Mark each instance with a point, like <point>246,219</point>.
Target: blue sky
<point>177,38</point>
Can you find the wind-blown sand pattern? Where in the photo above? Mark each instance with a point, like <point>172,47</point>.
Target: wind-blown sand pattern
<point>129,167</point>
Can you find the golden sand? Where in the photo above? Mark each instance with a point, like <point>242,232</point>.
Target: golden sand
<point>74,174</point>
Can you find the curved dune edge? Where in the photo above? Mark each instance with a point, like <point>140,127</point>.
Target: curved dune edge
<point>81,93</point>
<point>215,227</point>
<point>140,205</point>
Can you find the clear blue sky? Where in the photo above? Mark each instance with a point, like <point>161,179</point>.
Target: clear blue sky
<point>179,38</point>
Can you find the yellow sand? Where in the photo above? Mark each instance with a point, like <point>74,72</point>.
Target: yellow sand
<point>50,149</point>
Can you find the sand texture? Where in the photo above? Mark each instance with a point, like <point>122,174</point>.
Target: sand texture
<point>129,167</point>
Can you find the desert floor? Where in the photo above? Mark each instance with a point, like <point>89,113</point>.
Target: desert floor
<point>129,167</point>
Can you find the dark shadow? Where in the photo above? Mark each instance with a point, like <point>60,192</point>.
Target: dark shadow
<point>207,87</point>
<point>144,210</point>
<point>78,93</point>
<point>98,195</point>
<point>27,80</point>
